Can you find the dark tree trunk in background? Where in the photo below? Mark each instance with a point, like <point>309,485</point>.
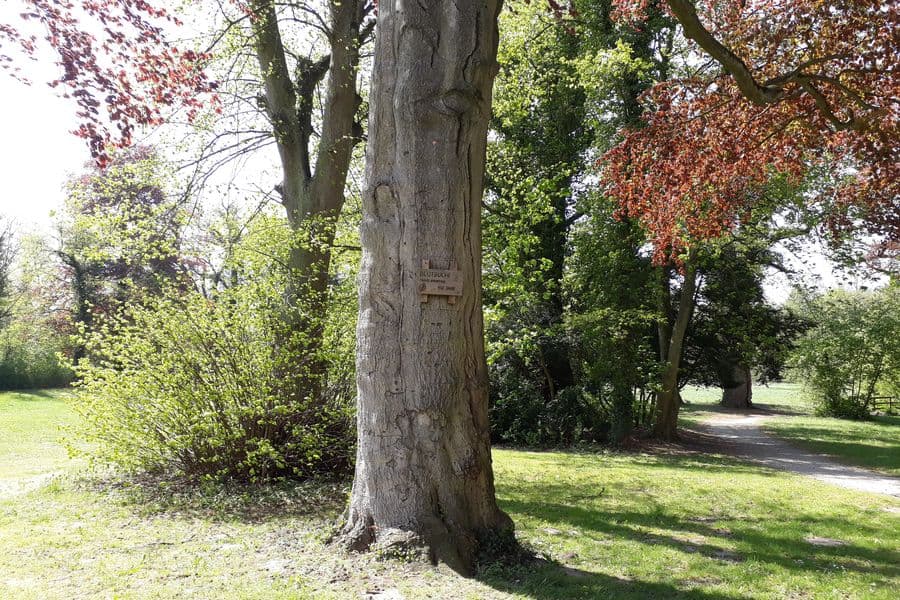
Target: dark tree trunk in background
<point>423,471</point>
<point>737,387</point>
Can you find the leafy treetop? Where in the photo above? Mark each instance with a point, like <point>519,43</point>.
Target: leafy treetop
<point>113,53</point>
<point>802,82</point>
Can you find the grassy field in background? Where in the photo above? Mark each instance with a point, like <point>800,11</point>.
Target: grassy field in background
<point>786,398</point>
<point>874,444</point>
<point>608,525</point>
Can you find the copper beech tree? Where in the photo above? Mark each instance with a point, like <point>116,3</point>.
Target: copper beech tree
<point>116,63</point>
<point>796,83</point>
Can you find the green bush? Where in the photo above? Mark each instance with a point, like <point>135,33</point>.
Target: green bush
<point>187,384</point>
<point>852,351</point>
<point>29,356</point>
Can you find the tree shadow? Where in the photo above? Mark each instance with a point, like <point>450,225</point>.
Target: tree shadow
<point>786,552</point>
<point>550,580</point>
<point>38,394</point>
<point>151,496</point>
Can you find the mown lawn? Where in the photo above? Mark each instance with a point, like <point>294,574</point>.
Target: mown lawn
<point>874,444</point>
<point>611,526</point>
<point>30,425</point>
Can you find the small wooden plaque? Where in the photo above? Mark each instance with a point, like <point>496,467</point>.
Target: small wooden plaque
<point>440,282</point>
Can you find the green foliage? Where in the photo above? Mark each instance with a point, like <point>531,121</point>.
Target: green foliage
<point>29,355</point>
<point>119,237</point>
<point>569,321</point>
<point>188,384</point>
<point>531,169</point>
<point>852,351</point>
<point>7,256</point>
<point>33,329</point>
<point>612,317</point>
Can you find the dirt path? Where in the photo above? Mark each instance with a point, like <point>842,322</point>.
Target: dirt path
<point>741,435</point>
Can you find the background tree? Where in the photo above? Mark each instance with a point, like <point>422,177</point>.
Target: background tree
<point>118,237</point>
<point>775,101</point>
<point>852,351</point>
<point>7,256</point>
<point>312,189</point>
<point>736,336</point>
<point>535,160</point>
<point>36,327</point>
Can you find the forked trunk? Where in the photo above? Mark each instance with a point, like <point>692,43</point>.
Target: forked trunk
<point>312,198</point>
<point>423,471</point>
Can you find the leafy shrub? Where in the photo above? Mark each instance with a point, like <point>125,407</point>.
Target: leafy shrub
<point>29,356</point>
<point>852,350</point>
<point>187,384</point>
<point>520,415</point>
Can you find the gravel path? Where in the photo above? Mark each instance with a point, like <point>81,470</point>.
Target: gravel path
<point>741,435</point>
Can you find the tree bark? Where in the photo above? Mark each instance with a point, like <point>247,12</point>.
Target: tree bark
<point>312,199</point>
<point>669,400</point>
<point>737,391</point>
<point>423,471</point>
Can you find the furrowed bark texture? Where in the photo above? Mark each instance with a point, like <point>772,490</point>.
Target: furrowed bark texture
<point>423,472</point>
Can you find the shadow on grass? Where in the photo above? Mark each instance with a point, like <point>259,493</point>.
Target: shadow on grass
<point>154,496</point>
<point>789,553</point>
<point>884,454</point>
<point>44,394</point>
<point>692,409</point>
<point>546,580</point>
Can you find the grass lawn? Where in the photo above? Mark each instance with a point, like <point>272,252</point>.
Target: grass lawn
<point>612,526</point>
<point>873,444</point>
<point>785,398</point>
<point>30,425</point>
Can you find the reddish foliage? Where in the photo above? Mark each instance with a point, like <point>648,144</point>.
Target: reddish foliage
<point>113,54</point>
<point>829,93</point>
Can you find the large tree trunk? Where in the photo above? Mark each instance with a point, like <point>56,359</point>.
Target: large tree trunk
<point>737,388</point>
<point>668,400</point>
<point>423,471</point>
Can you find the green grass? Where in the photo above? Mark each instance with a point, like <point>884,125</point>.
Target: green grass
<point>30,425</point>
<point>613,526</point>
<point>874,444</point>
<point>787,398</point>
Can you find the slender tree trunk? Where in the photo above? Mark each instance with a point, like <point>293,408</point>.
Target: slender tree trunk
<point>669,400</point>
<point>423,471</point>
<point>312,199</point>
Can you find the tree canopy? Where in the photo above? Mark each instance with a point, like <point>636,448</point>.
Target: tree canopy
<point>792,84</point>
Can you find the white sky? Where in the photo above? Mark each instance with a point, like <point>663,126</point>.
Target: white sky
<point>37,152</point>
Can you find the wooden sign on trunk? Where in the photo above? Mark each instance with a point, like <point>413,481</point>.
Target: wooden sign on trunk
<point>440,282</point>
